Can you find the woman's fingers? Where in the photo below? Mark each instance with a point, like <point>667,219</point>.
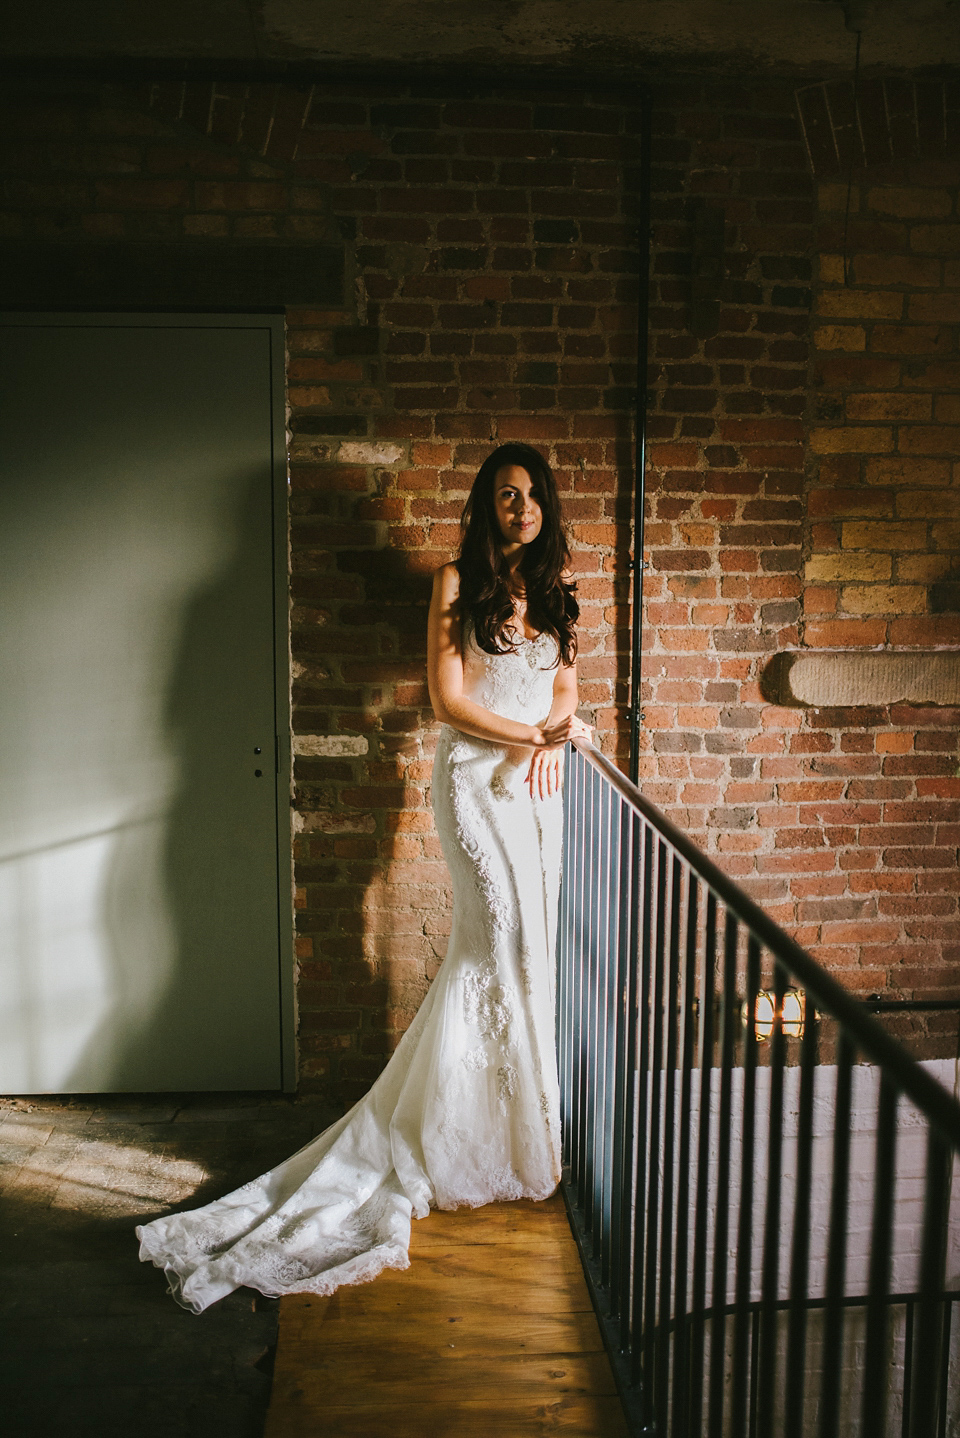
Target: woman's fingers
<point>556,770</point>
<point>569,728</point>
<point>544,774</point>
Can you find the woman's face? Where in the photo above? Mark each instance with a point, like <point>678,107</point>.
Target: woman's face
<point>516,502</point>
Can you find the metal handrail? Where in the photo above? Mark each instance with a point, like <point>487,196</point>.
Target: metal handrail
<point>695,1167</point>
<point>918,1085</point>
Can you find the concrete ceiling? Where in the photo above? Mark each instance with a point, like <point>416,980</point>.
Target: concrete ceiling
<point>785,37</point>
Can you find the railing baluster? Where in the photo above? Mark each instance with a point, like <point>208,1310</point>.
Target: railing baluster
<point>577,978</point>
<point>800,1244</point>
<point>933,1253</point>
<point>641,1164</point>
<point>944,1369</point>
<point>588,1073</point>
<point>907,1371</point>
<point>671,996</point>
<point>610,1017</point>
<point>628,1186</point>
<point>741,1323</point>
<point>874,1417</point>
<point>701,1219</point>
<point>681,1375</point>
<point>718,1321</point>
<point>601,1126</point>
<point>837,1246</point>
<point>654,1192</point>
<point>566,958</point>
<point>770,1282</point>
<point>754,1368</point>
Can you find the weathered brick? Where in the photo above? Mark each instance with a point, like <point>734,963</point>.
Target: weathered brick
<point>883,599</point>
<point>909,204</point>
<point>861,304</point>
<point>889,406</point>
<point>906,270</point>
<point>851,440</point>
<point>840,337</point>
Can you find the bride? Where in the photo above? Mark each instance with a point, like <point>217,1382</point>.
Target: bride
<point>467,1109</point>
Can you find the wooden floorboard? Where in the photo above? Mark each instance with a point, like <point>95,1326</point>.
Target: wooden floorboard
<point>489,1334</point>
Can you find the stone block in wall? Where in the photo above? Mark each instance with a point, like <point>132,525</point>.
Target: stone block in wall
<point>831,680</point>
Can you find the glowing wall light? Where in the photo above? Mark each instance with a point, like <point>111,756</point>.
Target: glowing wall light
<point>792,1014</point>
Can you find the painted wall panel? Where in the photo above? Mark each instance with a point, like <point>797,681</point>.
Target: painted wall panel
<point>139,918</point>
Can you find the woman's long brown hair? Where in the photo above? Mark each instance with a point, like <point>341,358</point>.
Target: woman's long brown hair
<point>484,595</point>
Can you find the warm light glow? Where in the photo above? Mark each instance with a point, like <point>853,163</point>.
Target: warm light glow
<point>765,1014</point>
<point>792,1014</point>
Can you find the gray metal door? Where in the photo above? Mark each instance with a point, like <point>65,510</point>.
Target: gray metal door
<point>144,863</point>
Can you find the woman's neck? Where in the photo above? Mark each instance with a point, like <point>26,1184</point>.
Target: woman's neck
<point>513,577</point>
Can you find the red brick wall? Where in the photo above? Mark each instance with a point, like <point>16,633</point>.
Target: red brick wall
<point>882,570</point>
<point>842,822</point>
<point>491,294</point>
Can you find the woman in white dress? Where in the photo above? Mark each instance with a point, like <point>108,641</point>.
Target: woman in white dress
<point>467,1110</point>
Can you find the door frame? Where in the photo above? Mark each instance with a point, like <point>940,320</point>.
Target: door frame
<point>274,324</point>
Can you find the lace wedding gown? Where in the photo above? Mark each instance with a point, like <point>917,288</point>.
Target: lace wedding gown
<point>467,1109</point>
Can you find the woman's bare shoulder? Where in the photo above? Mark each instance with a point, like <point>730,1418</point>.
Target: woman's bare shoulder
<point>446,581</point>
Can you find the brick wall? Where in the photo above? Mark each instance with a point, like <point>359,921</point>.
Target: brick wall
<point>883,564</point>
<point>842,822</point>
<point>884,510</point>
<point>491,294</point>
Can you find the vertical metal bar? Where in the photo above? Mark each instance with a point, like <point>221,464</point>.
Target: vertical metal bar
<point>670,998</point>
<point>770,1282</point>
<point>564,949</point>
<point>875,1363</point>
<point>944,1370</point>
<point>643,1107</point>
<point>575,978</point>
<point>629,1224</point>
<point>681,1332</point>
<point>837,1246</point>
<point>800,1244</point>
<point>702,1214</point>
<point>907,1370</point>
<point>614,1026</point>
<point>741,1320</point>
<point>654,1193</point>
<point>571,859</point>
<point>933,1249</point>
<point>590,1117</point>
<point>608,1018</point>
<point>718,1321</point>
<point>754,1368</point>
<point>622,1264</point>
<point>599,1034</point>
<point>585,1026</point>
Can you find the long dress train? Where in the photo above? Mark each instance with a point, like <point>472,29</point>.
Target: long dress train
<point>467,1109</point>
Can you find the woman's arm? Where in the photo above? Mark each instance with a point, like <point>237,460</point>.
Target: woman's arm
<point>546,765</point>
<point>445,673</point>
<point>566,697</point>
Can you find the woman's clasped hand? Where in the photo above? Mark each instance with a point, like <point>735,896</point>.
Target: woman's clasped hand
<point>545,774</point>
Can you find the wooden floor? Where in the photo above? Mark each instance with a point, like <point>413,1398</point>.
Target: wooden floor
<point>489,1334</point>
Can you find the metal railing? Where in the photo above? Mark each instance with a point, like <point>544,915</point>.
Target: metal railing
<point>759,1177</point>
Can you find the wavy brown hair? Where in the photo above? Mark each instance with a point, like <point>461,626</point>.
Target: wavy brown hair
<point>483,569</point>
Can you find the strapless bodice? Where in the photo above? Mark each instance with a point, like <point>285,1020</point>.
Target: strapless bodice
<point>516,685</point>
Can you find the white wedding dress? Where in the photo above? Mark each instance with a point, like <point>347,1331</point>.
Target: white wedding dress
<point>467,1109</point>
